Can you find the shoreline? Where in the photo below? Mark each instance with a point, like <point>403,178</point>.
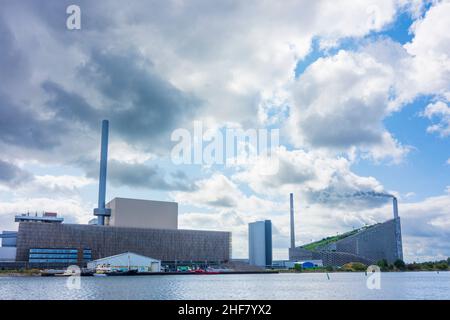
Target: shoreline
<point>27,273</point>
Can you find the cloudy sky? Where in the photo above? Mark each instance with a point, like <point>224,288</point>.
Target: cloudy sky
<point>360,92</point>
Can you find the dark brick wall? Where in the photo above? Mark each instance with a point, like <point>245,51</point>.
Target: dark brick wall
<point>167,245</point>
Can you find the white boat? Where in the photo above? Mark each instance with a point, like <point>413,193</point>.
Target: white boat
<point>100,275</point>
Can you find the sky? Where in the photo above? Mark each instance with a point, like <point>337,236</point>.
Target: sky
<point>359,93</point>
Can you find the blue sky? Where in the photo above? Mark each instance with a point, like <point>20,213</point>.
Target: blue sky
<point>359,93</point>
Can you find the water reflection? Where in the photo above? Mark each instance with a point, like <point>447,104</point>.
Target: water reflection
<point>405,285</point>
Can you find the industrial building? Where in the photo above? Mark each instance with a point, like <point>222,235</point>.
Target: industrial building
<point>260,243</point>
<point>126,262</point>
<point>144,227</point>
<point>367,245</point>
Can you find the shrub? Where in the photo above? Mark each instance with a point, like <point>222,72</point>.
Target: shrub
<point>442,266</point>
<point>354,266</point>
<point>399,264</point>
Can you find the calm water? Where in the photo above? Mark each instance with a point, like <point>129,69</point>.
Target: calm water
<point>408,285</point>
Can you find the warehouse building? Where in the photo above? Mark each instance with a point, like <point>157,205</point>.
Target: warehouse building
<point>126,262</point>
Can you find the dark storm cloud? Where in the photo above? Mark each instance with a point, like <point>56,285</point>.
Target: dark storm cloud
<point>12,175</point>
<point>21,126</point>
<point>139,175</point>
<point>142,107</point>
<point>13,63</point>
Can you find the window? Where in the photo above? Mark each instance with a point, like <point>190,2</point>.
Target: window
<point>56,255</point>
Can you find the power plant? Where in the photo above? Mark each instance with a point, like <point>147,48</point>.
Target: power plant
<point>150,228</point>
<point>143,227</point>
<point>367,245</point>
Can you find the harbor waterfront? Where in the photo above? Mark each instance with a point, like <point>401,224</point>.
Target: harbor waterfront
<point>283,286</point>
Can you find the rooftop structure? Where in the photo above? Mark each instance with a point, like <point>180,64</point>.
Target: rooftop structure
<point>135,213</point>
<point>49,217</point>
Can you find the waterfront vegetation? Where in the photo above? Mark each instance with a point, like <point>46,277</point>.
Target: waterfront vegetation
<point>20,272</point>
<point>398,265</point>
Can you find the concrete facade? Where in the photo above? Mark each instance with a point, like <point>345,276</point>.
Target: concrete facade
<point>135,213</point>
<point>104,241</point>
<point>378,242</point>
<point>260,243</point>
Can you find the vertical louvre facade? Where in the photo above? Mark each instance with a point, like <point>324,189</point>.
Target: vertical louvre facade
<point>95,242</point>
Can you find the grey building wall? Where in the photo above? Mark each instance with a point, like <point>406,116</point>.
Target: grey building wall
<point>328,258</point>
<point>382,241</point>
<point>257,243</point>
<point>376,243</point>
<point>8,238</point>
<point>136,213</point>
<point>104,241</point>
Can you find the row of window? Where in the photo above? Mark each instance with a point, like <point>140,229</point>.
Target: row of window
<point>62,255</point>
<point>53,251</point>
<point>54,255</point>
<point>53,260</point>
<point>43,250</point>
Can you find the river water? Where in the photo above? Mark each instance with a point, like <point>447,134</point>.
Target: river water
<point>400,285</point>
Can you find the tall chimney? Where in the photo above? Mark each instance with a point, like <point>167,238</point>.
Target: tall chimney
<point>398,230</point>
<point>394,202</point>
<point>101,212</point>
<point>291,198</point>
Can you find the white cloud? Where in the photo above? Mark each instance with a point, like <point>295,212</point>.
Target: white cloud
<point>340,102</point>
<point>441,111</point>
<point>73,209</point>
<point>430,47</point>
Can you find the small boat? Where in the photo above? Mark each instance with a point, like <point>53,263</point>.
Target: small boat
<point>202,271</point>
<point>123,273</point>
<point>99,275</point>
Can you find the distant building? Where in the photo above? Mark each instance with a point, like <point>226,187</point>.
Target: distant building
<point>260,243</point>
<point>48,217</point>
<point>367,245</point>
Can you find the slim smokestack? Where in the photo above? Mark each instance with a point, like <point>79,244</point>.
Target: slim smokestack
<point>394,203</point>
<point>101,212</point>
<point>291,198</point>
<point>398,230</point>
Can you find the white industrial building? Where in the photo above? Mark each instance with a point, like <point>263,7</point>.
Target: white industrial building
<point>127,261</point>
<point>134,213</point>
